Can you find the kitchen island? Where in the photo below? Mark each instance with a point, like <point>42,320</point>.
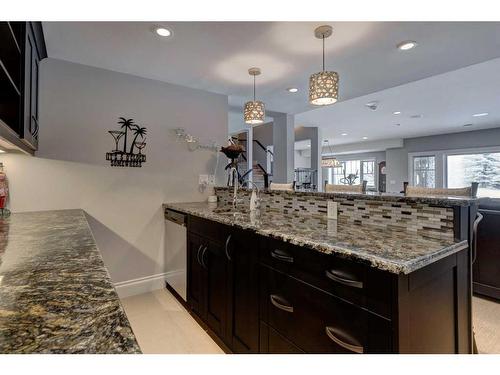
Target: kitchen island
<point>55,293</point>
<point>285,279</point>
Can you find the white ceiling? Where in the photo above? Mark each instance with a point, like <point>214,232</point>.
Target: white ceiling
<point>215,56</point>
<point>446,102</point>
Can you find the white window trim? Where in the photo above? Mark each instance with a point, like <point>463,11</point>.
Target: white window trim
<point>464,151</point>
<point>361,160</point>
<point>440,161</point>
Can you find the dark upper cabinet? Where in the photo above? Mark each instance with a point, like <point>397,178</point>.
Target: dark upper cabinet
<point>22,47</point>
<point>32,58</point>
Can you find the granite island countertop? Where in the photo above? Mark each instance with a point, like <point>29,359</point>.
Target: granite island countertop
<point>55,293</point>
<point>395,251</point>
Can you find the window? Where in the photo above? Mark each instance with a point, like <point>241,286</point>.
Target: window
<point>363,169</point>
<point>483,168</point>
<point>424,171</point>
<point>368,173</point>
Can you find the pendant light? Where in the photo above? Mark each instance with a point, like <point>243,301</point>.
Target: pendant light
<point>330,162</point>
<point>254,111</point>
<point>324,85</point>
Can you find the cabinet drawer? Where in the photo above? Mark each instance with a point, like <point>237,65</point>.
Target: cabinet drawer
<point>318,322</point>
<point>209,229</point>
<point>271,342</point>
<point>347,279</point>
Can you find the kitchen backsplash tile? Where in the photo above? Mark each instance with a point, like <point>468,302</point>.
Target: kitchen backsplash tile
<point>426,219</point>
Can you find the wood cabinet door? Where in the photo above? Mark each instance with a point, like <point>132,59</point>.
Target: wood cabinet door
<point>31,66</point>
<point>242,250</point>
<point>196,275</point>
<point>213,260</point>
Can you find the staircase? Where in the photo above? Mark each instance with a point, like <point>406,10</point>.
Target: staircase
<point>258,175</point>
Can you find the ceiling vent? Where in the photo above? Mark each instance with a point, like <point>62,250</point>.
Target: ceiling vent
<point>372,105</point>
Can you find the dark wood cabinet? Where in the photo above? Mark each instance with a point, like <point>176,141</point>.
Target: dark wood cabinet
<point>32,58</point>
<point>207,283</point>
<point>261,295</point>
<point>22,47</point>
<point>487,263</point>
<point>243,307</point>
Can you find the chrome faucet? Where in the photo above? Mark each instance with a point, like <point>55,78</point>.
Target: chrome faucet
<point>255,197</point>
<point>234,177</point>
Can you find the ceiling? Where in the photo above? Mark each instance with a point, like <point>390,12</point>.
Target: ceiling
<point>446,103</point>
<point>215,56</point>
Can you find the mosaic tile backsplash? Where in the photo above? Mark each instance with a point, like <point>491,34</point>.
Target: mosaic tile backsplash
<point>422,218</point>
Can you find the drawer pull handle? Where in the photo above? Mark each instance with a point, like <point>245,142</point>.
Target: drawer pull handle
<point>281,255</point>
<point>332,275</point>
<point>203,258</point>
<point>330,332</point>
<point>198,255</point>
<point>281,303</point>
<point>227,247</point>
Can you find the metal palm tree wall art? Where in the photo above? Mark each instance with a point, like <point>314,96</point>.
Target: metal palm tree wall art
<point>124,155</point>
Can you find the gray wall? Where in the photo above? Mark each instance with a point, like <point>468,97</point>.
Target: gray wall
<point>263,133</point>
<point>397,159</point>
<point>78,105</point>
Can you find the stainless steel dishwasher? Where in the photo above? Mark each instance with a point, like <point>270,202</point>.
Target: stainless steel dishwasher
<point>176,251</point>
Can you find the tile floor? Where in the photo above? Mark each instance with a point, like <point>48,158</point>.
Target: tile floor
<point>486,320</point>
<point>163,326</point>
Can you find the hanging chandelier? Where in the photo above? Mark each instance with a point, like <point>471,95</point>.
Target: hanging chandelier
<point>330,162</point>
<point>254,111</point>
<point>324,85</point>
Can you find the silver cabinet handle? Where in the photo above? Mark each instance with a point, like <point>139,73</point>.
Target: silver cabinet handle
<point>280,303</point>
<point>227,248</point>
<point>330,332</point>
<point>349,282</point>
<point>281,255</point>
<point>34,133</point>
<point>198,255</point>
<point>479,217</point>
<point>203,258</point>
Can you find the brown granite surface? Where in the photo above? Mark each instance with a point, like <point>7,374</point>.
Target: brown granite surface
<point>55,293</point>
<point>395,251</point>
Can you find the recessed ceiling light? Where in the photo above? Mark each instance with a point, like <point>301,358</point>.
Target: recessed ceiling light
<point>344,134</point>
<point>365,137</point>
<point>480,114</point>
<point>407,45</point>
<point>292,89</point>
<point>162,31</point>
<point>396,112</point>
<point>467,125</point>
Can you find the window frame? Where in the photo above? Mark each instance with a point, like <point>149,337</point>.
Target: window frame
<point>361,160</point>
<point>441,164</point>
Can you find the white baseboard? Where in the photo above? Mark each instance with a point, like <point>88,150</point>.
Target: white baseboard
<point>141,285</point>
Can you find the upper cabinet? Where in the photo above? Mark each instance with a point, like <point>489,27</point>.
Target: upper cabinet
<point>22,47</point>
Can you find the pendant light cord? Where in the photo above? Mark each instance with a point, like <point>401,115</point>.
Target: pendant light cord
<point>254,88</point>
<point>323,52</point>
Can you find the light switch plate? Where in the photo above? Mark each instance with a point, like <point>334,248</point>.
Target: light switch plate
<point>211,179</point>
<point>203,179</point>
<point>332,208</point>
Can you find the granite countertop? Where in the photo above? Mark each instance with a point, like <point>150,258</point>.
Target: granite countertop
<point>437,200</point>
<point>55,293</point>
<point>391,250</point>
